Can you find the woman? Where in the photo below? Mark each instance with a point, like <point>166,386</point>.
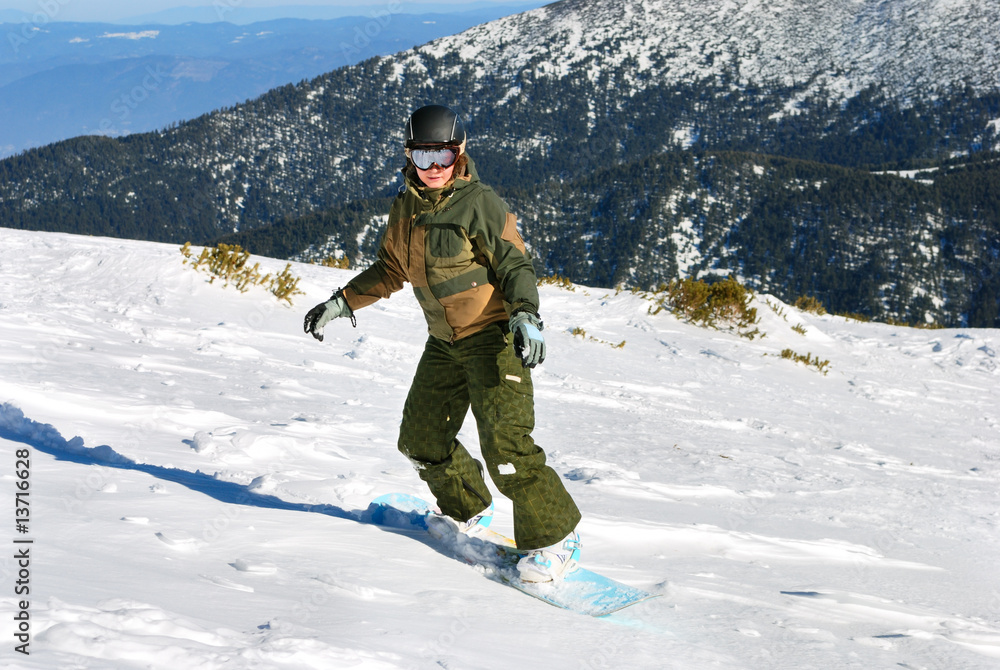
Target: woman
<point>452,238</point>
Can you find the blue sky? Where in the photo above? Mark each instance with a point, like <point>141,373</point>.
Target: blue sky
<point>113,10</point>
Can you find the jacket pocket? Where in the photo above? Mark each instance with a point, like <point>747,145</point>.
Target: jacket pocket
<point>446,241</point>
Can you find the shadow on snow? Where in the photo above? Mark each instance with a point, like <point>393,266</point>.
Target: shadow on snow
<point>14,426</point>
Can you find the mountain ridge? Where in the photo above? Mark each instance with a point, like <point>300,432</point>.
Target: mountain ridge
<point>73,79</point>
<point>548,102</point>
<point>913,44</point>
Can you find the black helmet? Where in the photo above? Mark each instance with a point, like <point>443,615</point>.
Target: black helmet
<point>434,124</point>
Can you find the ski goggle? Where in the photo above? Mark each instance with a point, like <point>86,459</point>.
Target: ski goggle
<point>425,158</point>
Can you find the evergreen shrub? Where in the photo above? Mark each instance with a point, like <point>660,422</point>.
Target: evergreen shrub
<point>230,263</point>
<point>725,302</point>
<point>557,280</point>
<point>810,304</point>
<point>808,359</point>
<point>342,263</point>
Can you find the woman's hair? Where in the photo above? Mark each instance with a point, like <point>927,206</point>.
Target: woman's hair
<point>461,164</point>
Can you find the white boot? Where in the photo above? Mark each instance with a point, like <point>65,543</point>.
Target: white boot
<point>442,526</point>
<point>551,563</point>
<point>477,524</point>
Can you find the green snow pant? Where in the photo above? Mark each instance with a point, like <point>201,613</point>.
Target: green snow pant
<point>483,371</point>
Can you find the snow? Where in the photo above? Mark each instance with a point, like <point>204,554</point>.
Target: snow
<point>145,34</point>
<point>994,127</point>
<point>684,136</point>
<point>907,47</point>
<point>197,465</point>
<point>687,241</point>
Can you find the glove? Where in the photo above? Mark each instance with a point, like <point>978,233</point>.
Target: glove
<point>528,341</point>
<point>324,313</point>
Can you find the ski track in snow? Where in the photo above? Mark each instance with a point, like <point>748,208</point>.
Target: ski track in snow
<point>200,468</point>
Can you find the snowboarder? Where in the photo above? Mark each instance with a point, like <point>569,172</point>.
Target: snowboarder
<point>451,237</point>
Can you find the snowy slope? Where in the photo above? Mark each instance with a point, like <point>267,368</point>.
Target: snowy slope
<point>197,464</point>
<point>911,47</point>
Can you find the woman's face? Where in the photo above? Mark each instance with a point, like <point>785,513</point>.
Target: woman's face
<point>436,176</point>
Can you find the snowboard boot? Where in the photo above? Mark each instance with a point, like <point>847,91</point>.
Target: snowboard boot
<point>551,563</point>
<point>442,526</point>
<point>477,524</point>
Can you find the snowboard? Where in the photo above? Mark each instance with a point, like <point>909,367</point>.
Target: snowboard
<point>582,591</point>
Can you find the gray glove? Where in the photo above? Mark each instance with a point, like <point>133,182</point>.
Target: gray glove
<point>528,341</point>
<point>325,312</point>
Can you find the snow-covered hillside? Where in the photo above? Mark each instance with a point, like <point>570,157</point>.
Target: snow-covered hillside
<point>197,466</point>
<point>836,46</point>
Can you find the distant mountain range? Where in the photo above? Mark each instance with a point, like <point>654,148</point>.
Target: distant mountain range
<point>241,14</point>
<point>637,141</point>
<point>60,80</point>
<point>13,16</point>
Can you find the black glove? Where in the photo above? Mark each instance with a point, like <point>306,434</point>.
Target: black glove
<point>528,341</point>
<point>324,313</point>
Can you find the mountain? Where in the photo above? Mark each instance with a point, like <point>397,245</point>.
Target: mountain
<point>241,14</point>
<point>75,79</point>
<point>636,140</point>
<point>13,16</point>
<point>198,471</point>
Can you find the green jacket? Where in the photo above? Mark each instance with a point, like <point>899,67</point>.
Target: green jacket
<point>459,249</point>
